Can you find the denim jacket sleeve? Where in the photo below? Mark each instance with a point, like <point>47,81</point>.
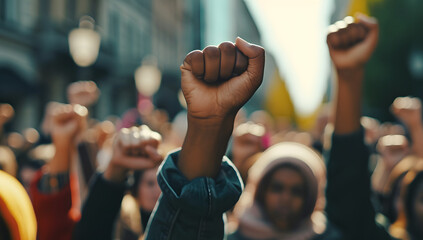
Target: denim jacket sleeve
<point>193,209</point>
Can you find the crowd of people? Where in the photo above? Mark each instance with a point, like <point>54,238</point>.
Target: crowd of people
<point>220,174</point>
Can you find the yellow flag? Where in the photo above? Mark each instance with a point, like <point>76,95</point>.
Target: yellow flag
<point>278,102</point>
<point>358,6</point>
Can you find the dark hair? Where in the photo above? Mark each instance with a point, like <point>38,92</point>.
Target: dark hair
<point>409,202</point>
<point>4,230</point>
<point>137,177</point>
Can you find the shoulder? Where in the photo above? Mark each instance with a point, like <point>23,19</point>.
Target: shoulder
<point>331,233</point>
<point>235,236</point>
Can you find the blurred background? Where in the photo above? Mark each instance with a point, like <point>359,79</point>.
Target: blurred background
<point>125,45</point>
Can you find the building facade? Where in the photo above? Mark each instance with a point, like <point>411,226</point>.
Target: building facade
<point>36,67</point>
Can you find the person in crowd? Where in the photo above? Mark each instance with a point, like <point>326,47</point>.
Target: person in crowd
<point>409,111</point>
<point>8,161</point>
<point>284,196</point>
<point>409,222</point>
<point>136,207</point>
<point>392,149</point>
<point>146,191</point>
<point>54,188</point>
<point>6,114</point>
<point>198,183</point>
<point>388,194</point>
<point>348,194</point>
<point>133,149</point>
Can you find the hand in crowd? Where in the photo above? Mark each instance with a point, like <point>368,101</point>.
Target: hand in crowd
<point>134,149</point>
<point>247,141</point>
<point>408,110</point>
<point>67,122</point>
<point>351,43</point>
<point>6,113</point>
<point>216,82</point>
<point>85,93</point>
<point>392,148</point>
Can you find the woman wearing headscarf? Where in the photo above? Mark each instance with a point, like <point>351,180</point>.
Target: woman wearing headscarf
<point>284,197</point>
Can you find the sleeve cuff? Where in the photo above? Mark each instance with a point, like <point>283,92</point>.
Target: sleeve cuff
<point>202,196</point>
<point>52,183</point>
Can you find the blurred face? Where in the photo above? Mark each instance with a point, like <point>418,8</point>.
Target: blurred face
<point>418,208</point>
<point>284,198</point>
<point>148,190</point>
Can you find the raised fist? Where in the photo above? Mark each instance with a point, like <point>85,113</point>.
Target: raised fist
<point>393,148</point>
<point>67,122</point>
<point>134,149</point>
<point>408,110</point>
<point>219,80</point>
<point>84,93</point>
<point>6,113</point>
<point>247,141</point>
<point>351,43</point>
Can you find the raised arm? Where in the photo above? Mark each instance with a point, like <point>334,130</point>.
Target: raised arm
<point>350,44</point>
<point>198,183</point>
<point>214,93</point>
<point>51,190</point>
<point>68,121</point>
<point>348,188</point>
<point>134,149</point>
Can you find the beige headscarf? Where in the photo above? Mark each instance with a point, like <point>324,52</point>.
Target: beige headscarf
<point>252,220</point>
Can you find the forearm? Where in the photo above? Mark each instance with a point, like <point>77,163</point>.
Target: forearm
<point>416,133</point>
<point>62,157</point>
<point>348,100</point>
<point>100,210</point>
<point>204,146</point>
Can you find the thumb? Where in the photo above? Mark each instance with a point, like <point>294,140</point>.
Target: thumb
<point>372,25</point>
<point>255,56</point>
<point>369,22</point>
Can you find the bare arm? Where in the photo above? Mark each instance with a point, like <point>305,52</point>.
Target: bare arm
<point>67,122</point>
<point>350,46</point>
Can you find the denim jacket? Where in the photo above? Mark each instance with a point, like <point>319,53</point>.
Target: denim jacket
<point>193,209</point>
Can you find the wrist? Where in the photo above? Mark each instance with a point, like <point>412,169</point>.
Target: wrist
<point>115,174</point>
<point>204,146</point>
<point>350,74</point>
<point>63,141</point>
<point>415,128</point>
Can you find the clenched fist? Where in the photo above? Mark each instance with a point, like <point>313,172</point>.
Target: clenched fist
<point>85,93</point>
<point>408,110</point>
<point>351,43</point>
<point>6,113</point>
<point>67,122</point>
<point>219,80</point>
<point>134,149</point>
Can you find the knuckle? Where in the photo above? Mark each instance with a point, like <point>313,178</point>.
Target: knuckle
<point>211,51</point>
<point>226,47</point>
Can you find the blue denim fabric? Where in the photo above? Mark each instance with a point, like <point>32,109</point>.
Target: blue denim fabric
<point>193,209</point>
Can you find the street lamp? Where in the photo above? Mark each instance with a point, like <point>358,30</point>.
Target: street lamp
<point>84,42</point>
<point>148,77</point>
